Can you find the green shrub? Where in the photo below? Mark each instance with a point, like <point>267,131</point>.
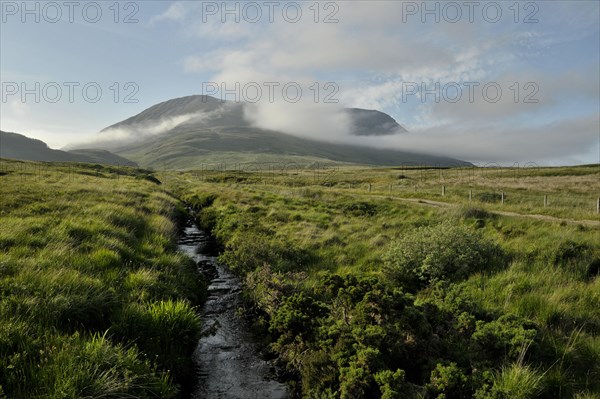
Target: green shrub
<point>475,213</point>
<point>593,269</point>
<point>569,250</point>
<point>489,197</point>
<point>443,252</point>
<point>360,208</point>
<point>297,316</point>
<point>508,336</point>
<point>249,250</point>
<point>207,219</point>
<point>448,381</point>
<point>199,201</point>
<point>393,385</point>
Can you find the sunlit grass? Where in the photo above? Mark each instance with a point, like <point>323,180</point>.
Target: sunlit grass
<point>344,229</point>
<point>77,251</point>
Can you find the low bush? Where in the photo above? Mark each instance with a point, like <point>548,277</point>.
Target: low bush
<point>247,251</point>
<point>475,213</point>
<point>489,197</point>
<point>443,252</point>
<point>569,250</point>
<point>360,209</point>
<point>204,200</point>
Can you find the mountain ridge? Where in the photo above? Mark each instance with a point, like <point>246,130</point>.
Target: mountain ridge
<point>188,132</point>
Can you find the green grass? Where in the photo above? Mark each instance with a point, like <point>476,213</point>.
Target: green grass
<point>572,192</point>
<point>309,252</point>
<point>94,299</point>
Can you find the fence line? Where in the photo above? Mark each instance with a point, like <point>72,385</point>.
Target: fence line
<point>500,197</point>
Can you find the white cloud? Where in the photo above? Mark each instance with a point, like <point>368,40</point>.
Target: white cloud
<point>372,53</point>
<point>121,136</point>
<point>305,119</point>
<point>175,12</point>
<point>543,143</point>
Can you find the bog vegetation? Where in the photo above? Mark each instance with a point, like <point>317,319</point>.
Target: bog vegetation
<point>94,299</point>
<point>362,295</point>
<point>357,294</point>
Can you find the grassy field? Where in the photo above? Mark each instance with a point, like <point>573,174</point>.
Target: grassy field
<point>571,192</point>
<point>94,300</point>
<point>368,294</point>
<point>364,282</point>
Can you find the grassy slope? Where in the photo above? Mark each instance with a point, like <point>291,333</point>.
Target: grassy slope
<point>94,300</point>
<point>287,235</point>
<point>189,147</point>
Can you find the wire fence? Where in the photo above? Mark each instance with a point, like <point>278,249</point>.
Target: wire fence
<point>482,195</point>
<point>455,185</point>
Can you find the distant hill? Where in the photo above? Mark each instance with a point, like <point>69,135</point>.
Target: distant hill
<point>188,132</point>
<point>18,146</point>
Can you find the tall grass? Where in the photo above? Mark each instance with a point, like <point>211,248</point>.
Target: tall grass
<point>80,247</point>
<point>286,239</point>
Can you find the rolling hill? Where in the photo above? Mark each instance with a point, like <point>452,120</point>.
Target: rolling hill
<point>191,132</point>
<point>18,146</point>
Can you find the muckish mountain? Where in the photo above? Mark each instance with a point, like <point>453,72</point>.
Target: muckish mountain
<point>194,131</point>
<point>205,111</point>
<point>367,122</point>
<point>18,146</point>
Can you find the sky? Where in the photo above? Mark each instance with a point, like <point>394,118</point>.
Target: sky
<point>505,82</point>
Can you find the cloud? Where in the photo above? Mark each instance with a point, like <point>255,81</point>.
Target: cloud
<point>372,52</point>
<point>305,119</point>
<point>563,139</point>
<point>116,137</point>
<point>175,12</point>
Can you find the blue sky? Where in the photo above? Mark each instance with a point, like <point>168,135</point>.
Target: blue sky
<point>373,52</point>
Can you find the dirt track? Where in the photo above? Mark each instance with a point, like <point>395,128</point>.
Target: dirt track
<point>502,213</point>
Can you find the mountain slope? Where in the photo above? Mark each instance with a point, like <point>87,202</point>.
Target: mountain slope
<point>207,111</point>
<point>18,146</point>
<point>189,132</point>
<point>189,149</point>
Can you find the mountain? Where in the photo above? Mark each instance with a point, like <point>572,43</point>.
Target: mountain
<point>17,146</point>
<point>366,122</point>
<point>207,111</point>
<point>191,132</point>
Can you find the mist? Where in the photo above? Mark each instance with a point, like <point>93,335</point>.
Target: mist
<point>307,120</point>
<point>116,137</point>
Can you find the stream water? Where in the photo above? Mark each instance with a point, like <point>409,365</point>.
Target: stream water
<point>228,363</point>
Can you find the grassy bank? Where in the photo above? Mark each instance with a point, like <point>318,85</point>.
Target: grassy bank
<point>94,299</point>
<point>365,296</point>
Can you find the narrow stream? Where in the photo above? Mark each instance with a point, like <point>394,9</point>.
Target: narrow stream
<point>228,363</point>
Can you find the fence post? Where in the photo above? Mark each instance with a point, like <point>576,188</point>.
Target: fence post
<point>470,195</point>
<point>502,198</point>
<point>443,191</point>
<point>390,188</point>
<point>369,187</point>
<point>545,201</point>
<point>598,206</point>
